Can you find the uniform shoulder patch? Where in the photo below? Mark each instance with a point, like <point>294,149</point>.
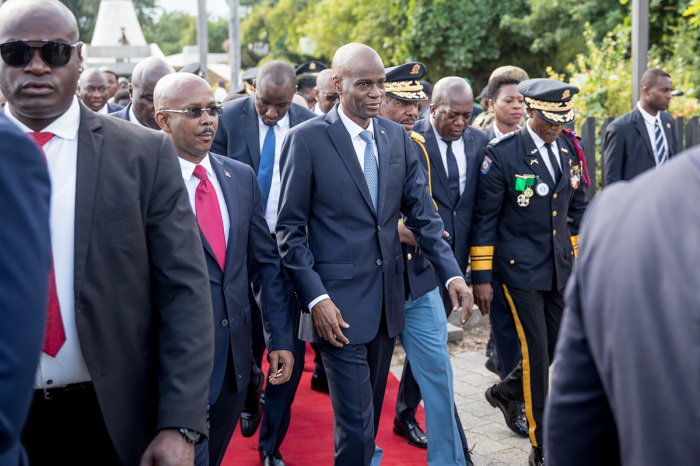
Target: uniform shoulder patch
<point>495,141</point>
<point>486,165</point>
<point>417,137</point>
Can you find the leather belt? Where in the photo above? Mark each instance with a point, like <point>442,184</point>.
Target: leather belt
<point>58,392</point>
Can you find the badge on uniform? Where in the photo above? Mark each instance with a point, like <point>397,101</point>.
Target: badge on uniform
<point>228,175</point>
<point>575,175</point>
<point>523,184</point>
<point>486,165</point>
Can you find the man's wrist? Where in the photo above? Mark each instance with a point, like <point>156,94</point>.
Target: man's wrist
<point>191,436</point>
<point>447,285</point>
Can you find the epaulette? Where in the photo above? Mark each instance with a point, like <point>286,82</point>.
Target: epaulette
<point>417,137</point>
<point>495,141</point>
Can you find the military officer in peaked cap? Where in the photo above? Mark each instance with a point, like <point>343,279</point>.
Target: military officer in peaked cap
<point>427,372</point>
<point>531,184</point>
<point>312,67</point>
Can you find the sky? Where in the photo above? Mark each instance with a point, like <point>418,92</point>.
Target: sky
<point>214,7</point>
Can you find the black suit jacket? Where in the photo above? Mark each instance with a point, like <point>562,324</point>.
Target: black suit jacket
<point>251,254</point>
<point>142,309</point>
<point>329,236</point>
<point>628,355</point>
<point>24,248</point>
<point>238,134</point>
<point>456,217</point>
<point>627,150</point>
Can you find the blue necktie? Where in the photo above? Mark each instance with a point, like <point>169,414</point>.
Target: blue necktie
<point>371,171</point>
<point>267,163</point>
<point>452,172</point>
<point>659,141</point>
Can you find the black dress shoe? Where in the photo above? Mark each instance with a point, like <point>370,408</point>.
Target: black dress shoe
<point>512,411</point>
<point>271,460</point>
<point>491,365</point>
<point>319,384</point>
<point>412,431</point>
<point>252,409</point>
<point>536,457</point>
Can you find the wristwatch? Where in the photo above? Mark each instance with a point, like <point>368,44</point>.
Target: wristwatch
<point>191,436</point>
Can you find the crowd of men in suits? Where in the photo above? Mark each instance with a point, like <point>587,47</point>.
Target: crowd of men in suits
<point>189,236</point>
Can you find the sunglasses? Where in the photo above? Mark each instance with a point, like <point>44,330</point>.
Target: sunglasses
<point>19,53</point>
<point>197,112</point>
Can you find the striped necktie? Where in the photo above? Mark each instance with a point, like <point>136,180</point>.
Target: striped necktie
<point>371,171</point>
<point>660,146</point>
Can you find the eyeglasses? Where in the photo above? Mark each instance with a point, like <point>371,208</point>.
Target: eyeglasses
<point>19,53</point>
<point>197,112</point>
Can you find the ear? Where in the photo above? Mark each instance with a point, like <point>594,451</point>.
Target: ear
<point>131,92</point>
<point>337,84</point>
<point>529,112</point>
<point>254,82</point>
<point>433,109</point>
<point>162,120</point>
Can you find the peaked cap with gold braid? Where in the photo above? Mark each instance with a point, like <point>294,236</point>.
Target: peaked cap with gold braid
<point>403,82</point>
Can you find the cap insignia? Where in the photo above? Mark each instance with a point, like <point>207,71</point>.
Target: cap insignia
<point>566,94</point>
<point>415,69</point>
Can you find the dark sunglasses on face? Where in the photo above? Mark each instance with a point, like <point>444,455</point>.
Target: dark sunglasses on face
<point>18,53</point>
<point>197,112</point>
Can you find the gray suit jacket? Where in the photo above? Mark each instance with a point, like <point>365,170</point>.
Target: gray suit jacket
<point>142,304</point>
<point>627,150</point>
<point>628,356</point>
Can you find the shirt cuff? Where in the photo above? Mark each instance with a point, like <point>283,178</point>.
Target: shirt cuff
<point>447,284</point>
<point>318,300</point>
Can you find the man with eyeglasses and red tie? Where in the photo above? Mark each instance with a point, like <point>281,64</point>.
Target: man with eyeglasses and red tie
<point>123,377</point>
<point>226,198</point>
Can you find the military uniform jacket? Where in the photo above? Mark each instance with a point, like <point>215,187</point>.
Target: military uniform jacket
<point>525,246</point>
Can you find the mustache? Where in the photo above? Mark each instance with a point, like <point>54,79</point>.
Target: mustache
<point>207,130</point>
<point>407,120</point>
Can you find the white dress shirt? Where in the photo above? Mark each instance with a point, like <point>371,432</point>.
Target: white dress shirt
<point>539,143</point>
<point>62,160</point>
<point>132,116</point>
<point>460,155</point>
<point>317,110</point>
<point>359,145</point>
<point>104,110</point>
<point>281,129</point>
<point>497,132</point>
<point>191,183</point>
<point>650,123</point>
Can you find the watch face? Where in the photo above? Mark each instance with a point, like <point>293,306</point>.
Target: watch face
<point>192,436</point>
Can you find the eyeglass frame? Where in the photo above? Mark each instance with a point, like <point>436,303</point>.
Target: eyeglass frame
<point>32,47</point>
<point>218,110</point>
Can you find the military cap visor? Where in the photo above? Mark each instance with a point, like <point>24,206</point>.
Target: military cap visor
<point>550,98</point>
<point>403,82</point>
<point>312,67</point>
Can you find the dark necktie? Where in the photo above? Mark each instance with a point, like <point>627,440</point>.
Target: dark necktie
<point>267,164</point>
<point>55,334</point>
<point>452,172</point>
<point>553,160</point>
<point>660,146</point>
<point>209,215</point>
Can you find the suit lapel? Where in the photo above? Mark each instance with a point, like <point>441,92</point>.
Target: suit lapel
<point>438,168</point>
<point>532,153</point>
<point>383,158</point>
<point>343,145</point>
<point>251,131</point>
<point>643,133</point>
<point>668,131</point>
<point>89,153</point>
<point>470,155</point>
<point>229,188</point>
<point>567,162</point>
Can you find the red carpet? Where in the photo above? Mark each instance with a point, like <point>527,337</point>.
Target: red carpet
<point>309,440</point>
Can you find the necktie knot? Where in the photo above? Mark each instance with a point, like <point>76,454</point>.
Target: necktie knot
<point>41,138</point>
<point>201,173</point>
<point>448,142</point>
<point>366,136</point>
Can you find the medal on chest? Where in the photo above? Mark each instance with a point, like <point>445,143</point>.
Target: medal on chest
<point>575,176</point>
<point>523,184</point>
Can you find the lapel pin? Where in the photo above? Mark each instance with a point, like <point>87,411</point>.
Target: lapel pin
<point>534,161</point>
<point>564,150</point>
<point>227,174</point>
<point>569,162</point>
<point>533,150</point>
<point>668,125</point>
<point>381,131</point>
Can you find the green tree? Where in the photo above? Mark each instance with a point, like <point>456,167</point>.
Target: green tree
<point>85,12</point>
<point>175,29</point>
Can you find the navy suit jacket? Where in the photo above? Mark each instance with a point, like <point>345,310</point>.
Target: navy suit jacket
<point>330,239</point>
<point>111,108</point>
<point>627,150</point>
<point>238,135</point>
<point>122,113</point>
<point>628,355</point>
<point>24,248</point>
<point>251,254</point>
<point>456,217</point>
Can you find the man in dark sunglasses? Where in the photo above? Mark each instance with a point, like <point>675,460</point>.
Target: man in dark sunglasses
<point>128,346</point>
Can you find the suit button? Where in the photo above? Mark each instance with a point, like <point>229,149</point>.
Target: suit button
<point>409,256</point>
<point>555,195</point>
<point>554,214</point>
<point>512,262</point>
<point>378,262</point>
<point>225,286</point>
<point>555,233</point>
<point>572,253</point>
<point>224,323</point>
<point>454,213</point>
<point>379,228</point>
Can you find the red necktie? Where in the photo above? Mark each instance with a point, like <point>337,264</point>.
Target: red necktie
<point>55,335</point>
<point>209,215</point>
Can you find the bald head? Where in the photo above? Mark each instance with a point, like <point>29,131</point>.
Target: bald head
<point>35,21</point>
<point>346,58</point>
<point>451,107</point>
<point>144,78</point>
<point>326,95</point>
<point>175,87</point>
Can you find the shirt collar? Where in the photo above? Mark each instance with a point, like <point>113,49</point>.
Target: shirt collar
<point>283,123</point>
<point>648,117</point>
<point>353,128</point>
<point>65,127</point>
<point>188,167</point>
<point>539,142</point>
<point>104,110</point>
